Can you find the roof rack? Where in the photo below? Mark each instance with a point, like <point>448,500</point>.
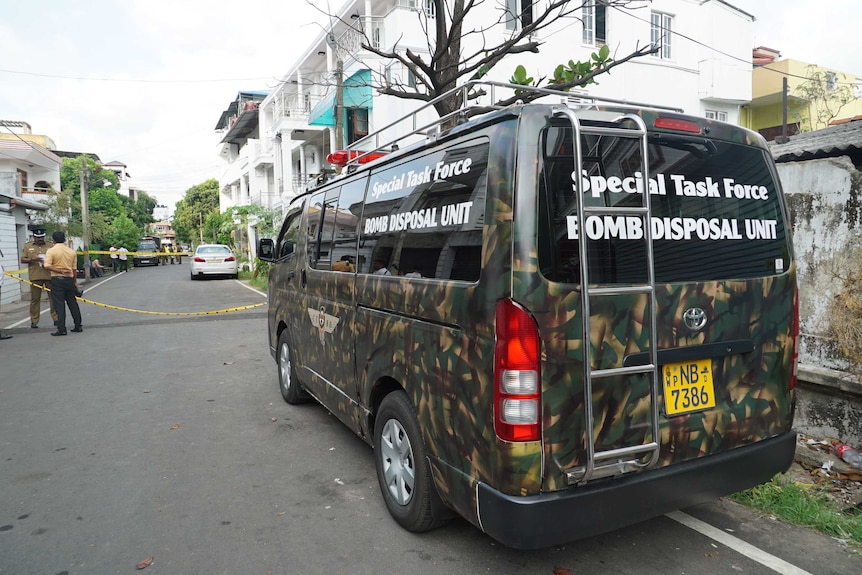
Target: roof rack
<point>474,90</point>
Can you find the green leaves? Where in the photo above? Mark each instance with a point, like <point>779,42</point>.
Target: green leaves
<point>573,73</point>
<point>570,74</point>
<point>520,77</point>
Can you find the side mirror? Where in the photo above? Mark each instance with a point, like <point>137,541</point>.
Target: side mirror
<point>266,250</point>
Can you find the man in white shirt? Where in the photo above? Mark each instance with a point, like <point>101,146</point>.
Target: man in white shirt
<point>378,268</point>
<point>124,258</point>
<point>113,251</point>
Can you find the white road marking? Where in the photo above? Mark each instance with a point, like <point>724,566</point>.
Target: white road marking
<point>738,545</point>
<point>255,290</point>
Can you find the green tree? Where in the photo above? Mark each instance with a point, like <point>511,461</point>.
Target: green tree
<point>826,94</point>
<point>105,203</point>
<point>193,211</point>
<point>140,210</point>
<point>123,232</point>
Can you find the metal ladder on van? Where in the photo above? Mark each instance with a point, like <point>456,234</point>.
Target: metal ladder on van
<point>623,460</point>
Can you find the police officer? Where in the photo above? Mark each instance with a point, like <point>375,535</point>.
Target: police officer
<point>34,255</point>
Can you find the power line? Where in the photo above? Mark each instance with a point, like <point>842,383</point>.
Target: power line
<point>137,80</point>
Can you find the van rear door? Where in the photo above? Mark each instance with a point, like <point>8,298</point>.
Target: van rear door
<point>706,273</point>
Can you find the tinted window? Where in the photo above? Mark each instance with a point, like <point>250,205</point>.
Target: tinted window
<point>213,250</point>
<point>423,218</point>
<point>290,234</point>
<point>715,210</point>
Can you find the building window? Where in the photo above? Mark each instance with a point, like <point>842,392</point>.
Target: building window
<point>357,124</point>
<point>519,13</point>
<point>595,23</point>
<point>719,115</point>
<point>22,178</point>
<point>831,81</point>
<point>661,26</point>
<point>426,5</point>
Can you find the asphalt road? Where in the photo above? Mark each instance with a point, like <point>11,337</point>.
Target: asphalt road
<point>165,436</point>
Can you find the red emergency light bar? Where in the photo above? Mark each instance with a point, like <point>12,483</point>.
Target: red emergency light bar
<point>341,157</point>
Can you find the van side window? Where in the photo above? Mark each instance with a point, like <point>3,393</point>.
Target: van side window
<point>346,219</point>
<point>424,218</point>
<point>320,228</point>
<point>290,234</point>
<point>332,219</point>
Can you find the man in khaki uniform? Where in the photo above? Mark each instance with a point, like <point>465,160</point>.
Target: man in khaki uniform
<point>34,256</point>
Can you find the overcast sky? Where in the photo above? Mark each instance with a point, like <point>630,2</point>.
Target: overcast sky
<point>144,82</point>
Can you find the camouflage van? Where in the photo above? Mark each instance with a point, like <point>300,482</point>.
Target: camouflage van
<point>554,320</point>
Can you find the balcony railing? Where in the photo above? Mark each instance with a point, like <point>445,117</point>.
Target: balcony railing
<point>295,106</point>
<point>262,150</point>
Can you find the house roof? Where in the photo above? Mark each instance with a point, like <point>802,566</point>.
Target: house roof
<point>843,139</point>
<point>29,152</point>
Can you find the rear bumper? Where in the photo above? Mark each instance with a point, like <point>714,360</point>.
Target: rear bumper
<point>548,519</point>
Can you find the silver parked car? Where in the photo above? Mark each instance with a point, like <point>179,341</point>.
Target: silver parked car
<point>213,259</point>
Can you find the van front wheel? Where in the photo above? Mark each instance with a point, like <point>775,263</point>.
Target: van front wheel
<point>403,472</point>
<point>291,391</point>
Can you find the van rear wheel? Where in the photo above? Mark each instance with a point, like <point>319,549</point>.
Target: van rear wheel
<point>403,472</point>
<point>288,383</point>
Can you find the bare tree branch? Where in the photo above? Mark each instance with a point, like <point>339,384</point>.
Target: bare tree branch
<point>445,65</point>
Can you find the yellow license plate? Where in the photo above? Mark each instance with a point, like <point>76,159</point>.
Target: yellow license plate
<point>688,386</point>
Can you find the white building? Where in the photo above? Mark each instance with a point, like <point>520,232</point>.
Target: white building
<point>275,144</point>
<point>28,169</point>
<point>244,181</point>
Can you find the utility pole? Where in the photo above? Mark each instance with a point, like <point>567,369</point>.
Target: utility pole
<point>339,103</point>
<point>784,110</point>
<point>85,215</point>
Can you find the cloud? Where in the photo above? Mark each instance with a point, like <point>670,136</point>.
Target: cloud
<point>144,82</point>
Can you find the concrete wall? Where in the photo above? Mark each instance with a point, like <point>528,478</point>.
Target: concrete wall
<point>829,404</point>
<point>824,200</point>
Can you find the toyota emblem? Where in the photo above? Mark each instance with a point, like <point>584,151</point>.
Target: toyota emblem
<point>694,318</point>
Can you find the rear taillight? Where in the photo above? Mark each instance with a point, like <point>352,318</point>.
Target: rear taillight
<point>677,125</point>
<point>516,375</point>
<point>199,259</point>
<point>795,340</point>
<point>230,259</point>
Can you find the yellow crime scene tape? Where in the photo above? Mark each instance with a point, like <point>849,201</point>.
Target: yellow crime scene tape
<point>17,273</point>
<point>117,253</point>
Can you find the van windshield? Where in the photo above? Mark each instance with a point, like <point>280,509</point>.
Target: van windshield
<point>147,247</point>
<point>715,210</point>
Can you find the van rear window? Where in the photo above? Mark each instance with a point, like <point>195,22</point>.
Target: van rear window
<point>715,210</point>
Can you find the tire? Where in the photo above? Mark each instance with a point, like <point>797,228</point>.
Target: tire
<point>403,471</point>
<point>192,276</point>
<point>288,382</point>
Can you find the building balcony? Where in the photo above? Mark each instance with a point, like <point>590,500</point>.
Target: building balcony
<point>261,153</point>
